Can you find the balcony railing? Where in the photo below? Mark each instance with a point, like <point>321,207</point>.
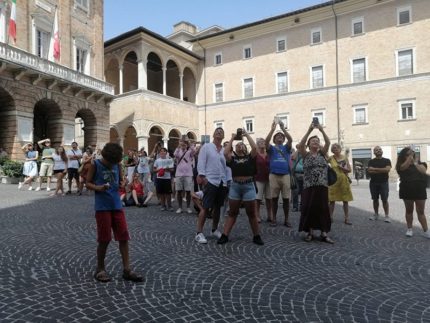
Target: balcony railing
<point>41,65</point>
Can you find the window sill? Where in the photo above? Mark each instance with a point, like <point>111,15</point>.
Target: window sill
<point>358,35</point>
<point>281,51</point>
<point>406,120</point>
<point>316,44</point>
<point>360,123</point>
<point>405,24</point>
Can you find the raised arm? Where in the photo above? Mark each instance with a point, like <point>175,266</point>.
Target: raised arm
<point>251,141</point>
<point>270,134</point>
<point>287,135</point>
<point>326,147</point>
<point>302,143</point>
<point>41,142</point>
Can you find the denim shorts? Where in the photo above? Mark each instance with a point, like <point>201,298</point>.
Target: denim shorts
<point>242,192</point>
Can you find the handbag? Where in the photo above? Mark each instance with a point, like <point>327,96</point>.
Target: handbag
<point>331,176</point>
<point>293,182</point>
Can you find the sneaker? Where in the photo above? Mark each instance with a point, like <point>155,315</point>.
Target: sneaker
<point>37,189</point>
<point>257,240</point>
<point>223,239</point>
<point>409,233</point>
<point>68,192</point>
<point>172,200</point>
<point>200,238</point>
<point>19,185</point>
<point>217,234</point>
<point>387,219</point>
<point>179,211</point>
<point>184,199</point>
<point>295,209</point>
<point>48,189</point>
<point>171,209</point>
<point>162,208</point>
<point>189,211</point>
<point>427,234</point>
<point>374,217</point>
<point>30,188</point>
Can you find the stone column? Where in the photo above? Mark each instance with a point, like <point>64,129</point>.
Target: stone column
<point>121,85</point>
<point>181,86</point>
<point>142,78</point>
<point>142,142</point>
<point>165,142</point>
<point>164,80</point>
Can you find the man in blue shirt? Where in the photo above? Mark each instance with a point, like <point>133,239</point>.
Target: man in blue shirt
<point>279,167</point>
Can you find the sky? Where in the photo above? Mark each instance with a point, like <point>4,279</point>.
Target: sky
<point>160,16</point>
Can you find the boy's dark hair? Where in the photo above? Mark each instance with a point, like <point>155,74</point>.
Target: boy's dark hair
<point>165,149</point>
<point>112,153</point>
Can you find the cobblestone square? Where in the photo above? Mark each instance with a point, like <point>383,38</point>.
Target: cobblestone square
<point>373,273</point>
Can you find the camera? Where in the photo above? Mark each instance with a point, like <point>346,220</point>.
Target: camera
<point>315,121</point>
<point>239,134</point>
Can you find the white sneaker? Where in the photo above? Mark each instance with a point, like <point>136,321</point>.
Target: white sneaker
<point>184,199</point>
<point>387,219</point>
<point>374,217</point>
<point>48,189</point>
<point>172,200</point>
<point>189,211</point>
<point>200,238</point>
<point>19,185</point>
<point>178,211</point>
<point>427,234</point>
<point>217,234</point>
<point>409,233</point>
<point>37,189</point>
<point>30,188</point>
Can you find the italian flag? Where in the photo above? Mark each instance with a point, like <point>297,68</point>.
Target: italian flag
<point>12,22</point>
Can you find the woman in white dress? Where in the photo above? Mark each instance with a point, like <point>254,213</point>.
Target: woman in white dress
<point>30,165</point>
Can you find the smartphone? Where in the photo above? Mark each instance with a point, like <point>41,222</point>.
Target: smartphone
<point>315,121</point>
<point>239,134</point>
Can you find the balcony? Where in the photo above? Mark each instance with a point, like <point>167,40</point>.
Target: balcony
<point>23,63</point>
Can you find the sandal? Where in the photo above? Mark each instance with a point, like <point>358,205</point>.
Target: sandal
<point>309,237</point>
<point>132,276</point>
<point>273,224</point>
<point>347,222</point>
<point>288,224</point>
<point>102,276</point>
<point>326,239</point>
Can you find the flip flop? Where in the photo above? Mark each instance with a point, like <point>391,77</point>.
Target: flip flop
<point>132,276</point>
<point>102,276</point>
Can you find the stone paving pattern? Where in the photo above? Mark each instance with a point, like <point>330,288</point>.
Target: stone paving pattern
<point>373,273</point>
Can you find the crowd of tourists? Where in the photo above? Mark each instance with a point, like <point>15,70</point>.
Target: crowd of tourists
<point>220,178</point>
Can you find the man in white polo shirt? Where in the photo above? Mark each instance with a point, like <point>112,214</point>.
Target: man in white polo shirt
<point>74,155</point>
<point>211,170</point>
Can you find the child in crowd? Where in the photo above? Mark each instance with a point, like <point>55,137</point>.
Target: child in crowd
<point>164,167</point>
<point>197,198</point>
<point>122,190</point>
<point>104,178</point>
<point>137,193</point>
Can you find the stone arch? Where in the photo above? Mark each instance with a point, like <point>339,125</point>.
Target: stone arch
<point>47,121</point>
<point>173,86</point>
<point>156,135</point>
<point>85,128</point>
<point>154,67</point>
<point>130,71</point>
<point>112,73</point>
<point>174,137</point>
<point>189,85</point>
<point>8,122</point>
<point>130,138</point>
<point>114,135</point>
<point>191,135</point>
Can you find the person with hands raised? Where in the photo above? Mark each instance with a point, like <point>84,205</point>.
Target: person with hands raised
<point>242,188</point>
<point>315,214</point>
<point>279,166</point>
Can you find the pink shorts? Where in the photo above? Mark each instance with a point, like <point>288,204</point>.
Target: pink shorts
<point>108,221</point>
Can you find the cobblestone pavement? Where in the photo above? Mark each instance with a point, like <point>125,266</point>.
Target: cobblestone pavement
<point>373,273</point>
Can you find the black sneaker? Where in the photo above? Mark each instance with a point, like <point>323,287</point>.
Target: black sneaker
<point>223,239</point>
<point>68,192</point>
<point>256,240</point>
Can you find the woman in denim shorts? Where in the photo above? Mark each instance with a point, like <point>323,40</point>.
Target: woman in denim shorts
<point>242,189</point>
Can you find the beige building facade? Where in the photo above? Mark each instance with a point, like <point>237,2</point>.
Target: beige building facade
<point>361,66</point>
<point>63,99</point>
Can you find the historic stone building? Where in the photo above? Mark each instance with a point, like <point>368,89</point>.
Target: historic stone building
<point>65,99</point>
<point>361,66</point>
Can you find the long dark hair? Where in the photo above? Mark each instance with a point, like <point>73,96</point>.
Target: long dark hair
<point>62,154</point>
<point>402,157</point>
